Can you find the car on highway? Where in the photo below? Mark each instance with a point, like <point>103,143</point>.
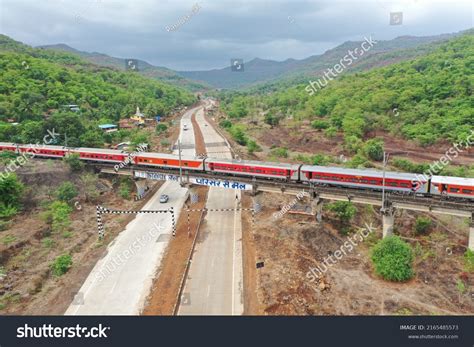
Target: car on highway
<point>164,198</point>
<point>185,127</point>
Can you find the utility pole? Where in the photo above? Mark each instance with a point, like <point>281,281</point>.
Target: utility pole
<point>180,168</point>
<point>385,160</point>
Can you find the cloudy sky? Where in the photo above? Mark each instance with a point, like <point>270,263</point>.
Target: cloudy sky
<point>206,34</point>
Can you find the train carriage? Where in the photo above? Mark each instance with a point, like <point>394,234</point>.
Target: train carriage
<point>253,168</point>
<point>8,147</point>
<point>43,151</point>
<point>168,161</point>
<point>456,187</point>
<point>368,179</point>
<point>101,155</point>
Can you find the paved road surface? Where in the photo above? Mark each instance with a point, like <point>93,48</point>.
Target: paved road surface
<point>214,285</point>
<point>122,279</point>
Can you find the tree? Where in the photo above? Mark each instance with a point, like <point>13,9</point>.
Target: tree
<point>373,149</point>
<point>61,265</point>
<point>344,210</point>
<point>57,216</point>
<point>392,259</point>
<point>11,190</point>
<point>272,119</point>
<point>74,162</point>
<point>161,128</point>
<point>66,192</point>
<point>422,225</point>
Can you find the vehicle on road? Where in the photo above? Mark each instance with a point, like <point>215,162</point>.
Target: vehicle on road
<point>185,127</point>
<point>164,198</point>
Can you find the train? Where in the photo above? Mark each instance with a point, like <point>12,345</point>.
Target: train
<point>368,179</point>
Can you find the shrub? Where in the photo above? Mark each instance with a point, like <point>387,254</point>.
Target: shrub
<point>373,149</point>
<point>6,240</point>
<point>238,133</point>
<point>320,124</point>
<point>422,225</point>
<point>57,216</point>
<point>280,152</point>
<point>61,265</point>
<point>125,188</point>
<point>469,260</point>
<point>320,159</point>
<point>225,123</point>
<point>392,258</point>
<point>66,192</point>
<point>252,146</point>
<point>74,162</point>
<point>344,210</point>
<point>161,128</point>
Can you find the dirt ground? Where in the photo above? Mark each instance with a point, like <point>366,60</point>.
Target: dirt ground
<point>293,244</point>
<point>164,295</point>
<point>28,286</point>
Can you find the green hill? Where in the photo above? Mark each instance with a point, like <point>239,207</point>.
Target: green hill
<point>156,72</point>
<point>428,98</point>
<point>36,84</point>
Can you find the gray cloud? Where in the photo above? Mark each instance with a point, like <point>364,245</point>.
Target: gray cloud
<point>221,30</point>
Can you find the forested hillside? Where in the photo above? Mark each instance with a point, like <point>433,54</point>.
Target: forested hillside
<point>36,84</point>
<point>425,99</point>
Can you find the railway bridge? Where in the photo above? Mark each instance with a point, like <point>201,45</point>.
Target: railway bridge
<point>318,194</point>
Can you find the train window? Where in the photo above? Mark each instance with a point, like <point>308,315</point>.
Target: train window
<point>165,162</point>
<point>393,184</point>
<point>467,191</point>
<point>185,164</point>
<point>403,185</point>
<point>364,181</point>
<point>454,190</point>
<point>373,182</point>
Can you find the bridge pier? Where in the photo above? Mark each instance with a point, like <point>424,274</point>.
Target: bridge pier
<point>388,221</point>
<point>317,208</point>
<point>142,188</point>
<point>193,195</point>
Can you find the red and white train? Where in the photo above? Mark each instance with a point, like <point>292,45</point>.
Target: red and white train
<point>405,183</point>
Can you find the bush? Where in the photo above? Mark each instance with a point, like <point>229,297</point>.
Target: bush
<point>392,258</point>
<point>225,124</point>
<point>57,216</point>
<point>344,210</point>
<point>161,128</point>
<point>320,124</point>
<point>238,133</point>
<point>66,192</point>
<point>422,225</point>
<point>61,265</point>
<point>125,188</point>
<point>373,149</point>
<point>271,119</point>
<point>11,191</point>
<point>469,260</point>
<point>252,146</point>
<point>320,159</point>
<point>280,152</point>
<point>74,162</point>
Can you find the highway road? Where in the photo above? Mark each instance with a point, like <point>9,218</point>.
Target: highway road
<point>120,281</point>
<point>215,281</point>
